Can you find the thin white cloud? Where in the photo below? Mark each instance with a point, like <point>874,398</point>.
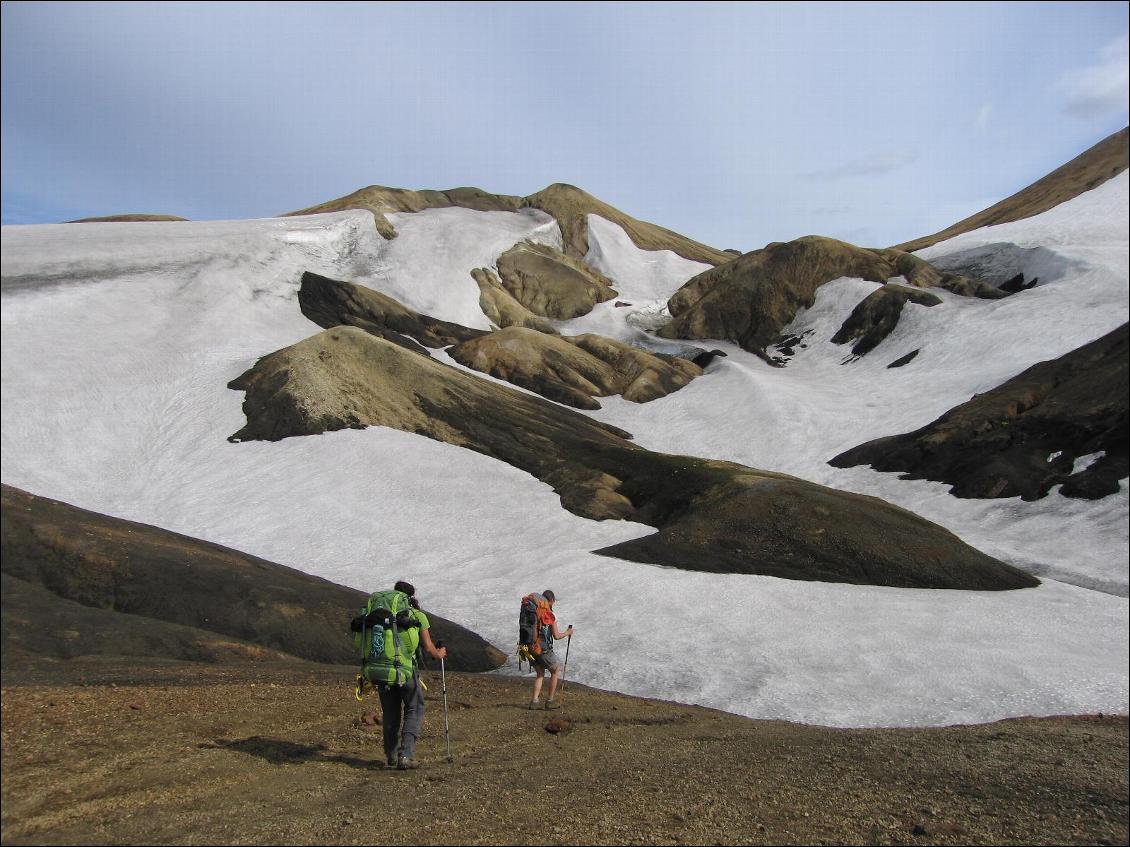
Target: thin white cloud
<point>1100,88</point>
<point>981,119</point>
<point>879,162</point>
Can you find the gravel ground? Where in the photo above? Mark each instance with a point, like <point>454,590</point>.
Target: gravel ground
<point>118,752</point>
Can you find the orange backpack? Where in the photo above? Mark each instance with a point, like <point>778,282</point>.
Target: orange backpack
<point>535,628</point>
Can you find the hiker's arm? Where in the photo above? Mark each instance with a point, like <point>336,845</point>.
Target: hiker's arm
<point>558,634</point>
<point>429,647</point>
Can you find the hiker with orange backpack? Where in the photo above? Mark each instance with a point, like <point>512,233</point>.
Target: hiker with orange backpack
<point>537,630</point>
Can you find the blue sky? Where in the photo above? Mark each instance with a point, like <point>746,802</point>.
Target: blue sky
<point>736,124</point>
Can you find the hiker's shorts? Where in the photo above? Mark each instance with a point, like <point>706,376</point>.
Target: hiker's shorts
<point>547,661</point>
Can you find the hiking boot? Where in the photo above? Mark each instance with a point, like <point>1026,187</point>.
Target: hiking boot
<point>407,763</point>
<point>534,704</point>
<point>550,705</point>
<point>391,761</point>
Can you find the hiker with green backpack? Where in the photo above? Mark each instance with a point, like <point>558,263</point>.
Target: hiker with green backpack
<point>389,631</point>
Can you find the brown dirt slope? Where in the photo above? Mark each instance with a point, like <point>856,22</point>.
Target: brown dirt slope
<point>1024,436</point>
<point>1088,170</point>
<point>714,516</point>
<point>80,583</point>
<point>568,204</point>
<point>103,753</point>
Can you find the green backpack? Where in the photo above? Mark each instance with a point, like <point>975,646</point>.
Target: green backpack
<point>387,633</point>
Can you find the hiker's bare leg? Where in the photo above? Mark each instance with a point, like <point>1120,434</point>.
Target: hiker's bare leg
<point>553,678</point>
<point>538,681</point>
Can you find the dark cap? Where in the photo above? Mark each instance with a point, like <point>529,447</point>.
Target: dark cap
<point>407,587</point>
<point>549,595</point>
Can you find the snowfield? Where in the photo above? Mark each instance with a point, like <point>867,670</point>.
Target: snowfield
<point>119,340</point>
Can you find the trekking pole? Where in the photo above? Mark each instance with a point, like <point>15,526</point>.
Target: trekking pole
<point>568,644</point>
<point>446,728</point>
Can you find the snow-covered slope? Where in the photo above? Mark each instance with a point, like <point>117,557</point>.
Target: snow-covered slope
<point>119,340</point>
<point>796,418</point>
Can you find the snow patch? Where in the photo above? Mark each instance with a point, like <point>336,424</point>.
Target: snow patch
<point>1084,462</point>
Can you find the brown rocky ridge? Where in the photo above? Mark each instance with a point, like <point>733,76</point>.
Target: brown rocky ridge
<point>575,369</point>
<point>127,218</point>
<point>714,516</point>
<point>330,302</point>
<point>569,205</point>
<point>1088,170</point>
<point>571,370</point>
<point>751,299</point>
<point>1024,436</point>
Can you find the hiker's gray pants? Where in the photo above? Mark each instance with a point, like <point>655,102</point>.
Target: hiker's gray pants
<point>403,707</point>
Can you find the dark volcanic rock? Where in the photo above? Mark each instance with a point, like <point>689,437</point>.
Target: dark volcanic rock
<point>1024,436</point>
<point>705,357</point>
<point>329,302</point>
<point>751,299</point>
<point>1016,284</point>
<point>878,314</point>
<point>713,515</point>
<point>81,583</point>
<point>903,360</point>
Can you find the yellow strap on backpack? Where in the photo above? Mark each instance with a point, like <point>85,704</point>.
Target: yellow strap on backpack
<point>363,687</point>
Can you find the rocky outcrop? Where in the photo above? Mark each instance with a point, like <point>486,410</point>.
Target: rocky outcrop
<point>878,314</point>
<point>712,515</point>
<point>80,583</point>
<point>549,283</point>
<point>569,205</point>
<point>1027,435</point>
<point>751,299</point>
<point>501,308</point>
<point>330,302</point>
<point>724,518</point>
<point>575,369</point>
<point>380,200</point>
<point>1088,170</point>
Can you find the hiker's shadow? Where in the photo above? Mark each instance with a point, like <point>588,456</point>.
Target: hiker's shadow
<point>279,751</point>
